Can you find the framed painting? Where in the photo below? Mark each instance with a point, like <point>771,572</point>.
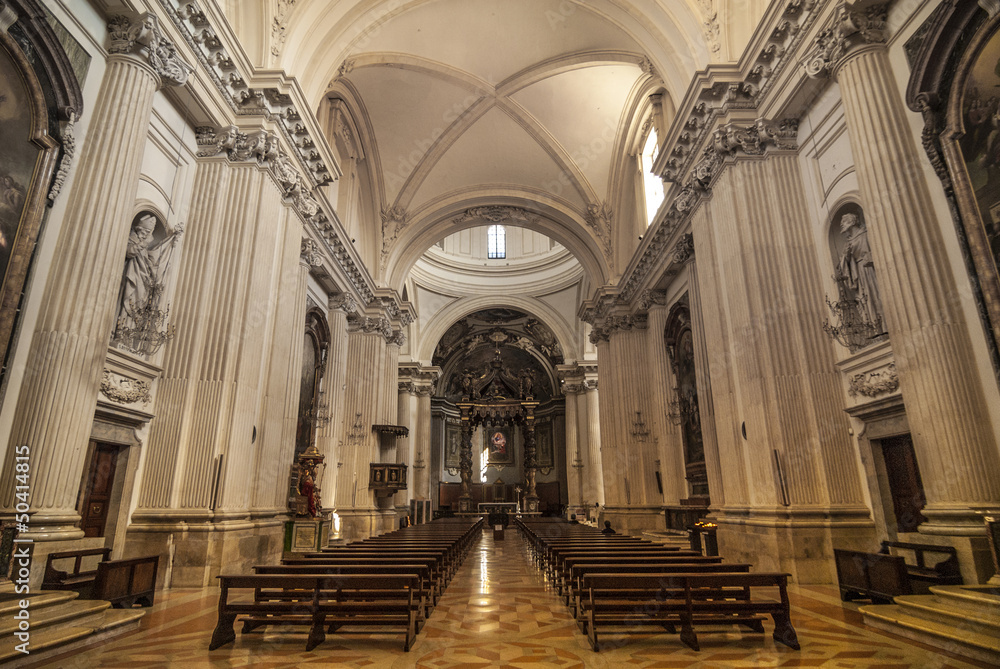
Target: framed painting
<point>499,444</point>
<point>27,163</point>
<point>452,445</point>
<point>543,445</point>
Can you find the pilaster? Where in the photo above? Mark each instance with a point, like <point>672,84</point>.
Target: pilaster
<point>945,406</point>
<point>55,409</point>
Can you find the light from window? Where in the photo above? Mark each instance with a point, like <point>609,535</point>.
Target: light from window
<point>653,184</point>
<point>484,461</point>
<point>496,242</point>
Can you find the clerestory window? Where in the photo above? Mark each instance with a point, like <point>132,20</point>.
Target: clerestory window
<point>496,242</point>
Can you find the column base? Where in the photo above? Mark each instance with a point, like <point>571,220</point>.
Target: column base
<point>796,540</point>
<point>632,519</point>
<point>193,554</point>
<point>359,524</point>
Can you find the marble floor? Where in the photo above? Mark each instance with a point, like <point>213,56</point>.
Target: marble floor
<point>499,611</point>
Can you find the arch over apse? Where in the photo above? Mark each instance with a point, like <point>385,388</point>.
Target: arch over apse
<point>428,340</point>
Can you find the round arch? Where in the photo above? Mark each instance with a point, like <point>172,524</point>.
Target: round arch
<point>547,215</point>
<point>424,347</point>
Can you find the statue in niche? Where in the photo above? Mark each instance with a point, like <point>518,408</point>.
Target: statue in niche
<point>146,262</point>
<point>858,270</point>
<point>527,383</point>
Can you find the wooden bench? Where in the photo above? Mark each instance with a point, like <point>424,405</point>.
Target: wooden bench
<point>873,576</point>
<point>427,592</point>
<point>319,601</point>
<point>922,575</point>
<point>574,591</point>
<point>127,582</point>
<point>81,581</point>
<point>685,600</point>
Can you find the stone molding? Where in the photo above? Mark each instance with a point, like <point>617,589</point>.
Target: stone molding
<point>140,35</point>
<point>612,325</point>
<point>731,142</point>
<point>851,29</point>
<point>715,98</point>
<point>600,218</point>
<point>244,100</point>
<point>357,323</point>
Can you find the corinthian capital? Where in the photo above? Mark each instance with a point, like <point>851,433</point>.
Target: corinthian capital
<point>856,24</point>
<point>141,36</point>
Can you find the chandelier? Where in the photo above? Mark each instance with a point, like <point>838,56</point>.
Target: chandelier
<point>850,327</point>
<point>145,336</point>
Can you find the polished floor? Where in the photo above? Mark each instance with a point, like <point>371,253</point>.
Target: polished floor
<point>498,611</point>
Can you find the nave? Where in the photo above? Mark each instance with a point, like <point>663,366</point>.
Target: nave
<point>499,611</point>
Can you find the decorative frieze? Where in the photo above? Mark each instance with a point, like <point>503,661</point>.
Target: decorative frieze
<point>684,249</point>
<point>873,384</point>
<point>650,298</point>
<point>495,214</point>
<point>615,324</point>
<point>370,325</point>
<point>243,99</point>
<point>67,135</point>
<point>394,219</point>
<point>720,97</point>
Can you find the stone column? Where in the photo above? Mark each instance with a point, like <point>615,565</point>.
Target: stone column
<point>406,416</point>
<point>424,387</point>
<point>364,404</point>
<point>660,387</point>
<point>329,437</point>
<point>938,376</point>
<point>595,470</point>
<point>55,410</point>
<point>633,500</point>
<point>706,406</point>
<point>574,461</point>
<point>284,376</point>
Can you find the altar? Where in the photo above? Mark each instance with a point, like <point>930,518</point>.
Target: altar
<point>486,508</point>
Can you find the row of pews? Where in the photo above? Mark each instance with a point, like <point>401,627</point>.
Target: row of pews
<point>615,580</point>
<point>393,580</point>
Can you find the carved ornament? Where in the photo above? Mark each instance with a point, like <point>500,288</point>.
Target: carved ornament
<point>345,302</point>
<point>67,134</point>
<point>874,384</point>
<point>600,218</point>
<point>684,248</point>
<point>495,214</point>
<point>310,253</point>
<point>141,35</point>
<point>852,28</point>
<point>394,219</point>
<point>124,390</point>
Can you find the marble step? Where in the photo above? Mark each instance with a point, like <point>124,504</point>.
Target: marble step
<point>915,623</point>
<point>10,603</point>
<point>79,611</point>
<point>66,636</point>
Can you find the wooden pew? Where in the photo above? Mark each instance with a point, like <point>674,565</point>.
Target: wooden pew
<point>127,582</point>
<point>685,600</point>
<point>293,599</point>
<point>81,581</point>
<point>388,562</point>
<point>428,587</point>
<point>578,571</point>
<point>923,574</point>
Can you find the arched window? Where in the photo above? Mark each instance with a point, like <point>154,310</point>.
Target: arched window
<point>496,242</point>
<point>652,184</point>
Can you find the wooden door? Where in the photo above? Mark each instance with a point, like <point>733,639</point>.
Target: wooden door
<point>100,481</point>
<point>905,486</point>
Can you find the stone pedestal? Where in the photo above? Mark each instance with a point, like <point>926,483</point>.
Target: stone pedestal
<point>305,535</point>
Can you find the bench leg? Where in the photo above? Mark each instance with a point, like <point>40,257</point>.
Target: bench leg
<point>688,636</point>
<point>316,634</point>
<point>591,630</point>
<point>756,626</point>
<point>784,632</point>
<point>411,632</point>
<point>250,625</point>
<point>669,626</point>
<point>224,632</point>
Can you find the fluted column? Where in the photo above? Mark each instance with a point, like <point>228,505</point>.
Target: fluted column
<point>595,477</point>
<point>574,457</point>
<point>938,376</point>
<point>706,405</point>
<point>660,387</point>
<point>201,454</point>
<point>281,404</point>
<point>405,416</point>
<point>629,451</point>
<point>424,385</point>
<point>329,437</point>
<point>55,409</point>
<point>364,404</point>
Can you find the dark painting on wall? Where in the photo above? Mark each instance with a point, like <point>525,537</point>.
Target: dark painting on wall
<point>543,445</point>
<point>452,445</point>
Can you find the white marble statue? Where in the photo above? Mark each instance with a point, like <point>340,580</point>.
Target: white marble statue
<point>859,271</point>
<point>146,263</point>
